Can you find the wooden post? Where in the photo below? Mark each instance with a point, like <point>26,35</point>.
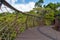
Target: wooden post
<point>26,22</point>
<point>15,24</point>
<point>33,21</point>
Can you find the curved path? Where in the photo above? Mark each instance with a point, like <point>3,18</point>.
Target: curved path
<point>39,33</point>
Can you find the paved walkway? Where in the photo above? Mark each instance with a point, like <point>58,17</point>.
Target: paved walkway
<point>39,33</point>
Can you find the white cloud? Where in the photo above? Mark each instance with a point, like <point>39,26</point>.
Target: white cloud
<point>25,7</point>
<point>21,7</point>
<point>5,9</point>
<point>11,1</point>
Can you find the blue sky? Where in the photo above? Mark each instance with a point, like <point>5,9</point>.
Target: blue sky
<point>53,1</point>
<point>25,5</point>
<point>45,1</point>
<point>26,1</point>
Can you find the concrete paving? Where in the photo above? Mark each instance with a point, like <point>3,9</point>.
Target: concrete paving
<point>39,33</point>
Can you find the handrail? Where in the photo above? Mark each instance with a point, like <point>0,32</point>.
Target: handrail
<point>14,23</point>
<point>10,6</point>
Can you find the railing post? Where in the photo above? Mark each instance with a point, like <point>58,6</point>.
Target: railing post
<point>16,27</point>
<point>26,22</point>
<point>39,21</point>
<point>33,21</point>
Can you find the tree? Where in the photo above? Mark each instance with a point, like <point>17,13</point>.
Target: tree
<point>52,6</point>
<point>39,3</point>
<point>58,4</point>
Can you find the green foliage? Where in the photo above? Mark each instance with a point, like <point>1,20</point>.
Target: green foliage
<point>15,23</point>
<point>18,22</point>
<point>49,16</point>
<point>52,6</point>
<point>39,3</point>
<point>46,14</point>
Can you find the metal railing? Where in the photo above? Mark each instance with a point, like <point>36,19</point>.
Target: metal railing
<point>10,29</point>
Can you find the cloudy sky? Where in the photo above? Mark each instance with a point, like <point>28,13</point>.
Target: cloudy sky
<point>27,5</point>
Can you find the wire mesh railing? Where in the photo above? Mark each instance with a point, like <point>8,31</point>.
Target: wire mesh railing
<point>9,27</point>
<point>13,23</point>
<point>16,22</point>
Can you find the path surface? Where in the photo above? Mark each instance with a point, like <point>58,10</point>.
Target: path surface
<point>39,33</point>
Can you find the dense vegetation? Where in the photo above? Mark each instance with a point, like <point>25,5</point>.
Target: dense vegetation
<point>15,22</point>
